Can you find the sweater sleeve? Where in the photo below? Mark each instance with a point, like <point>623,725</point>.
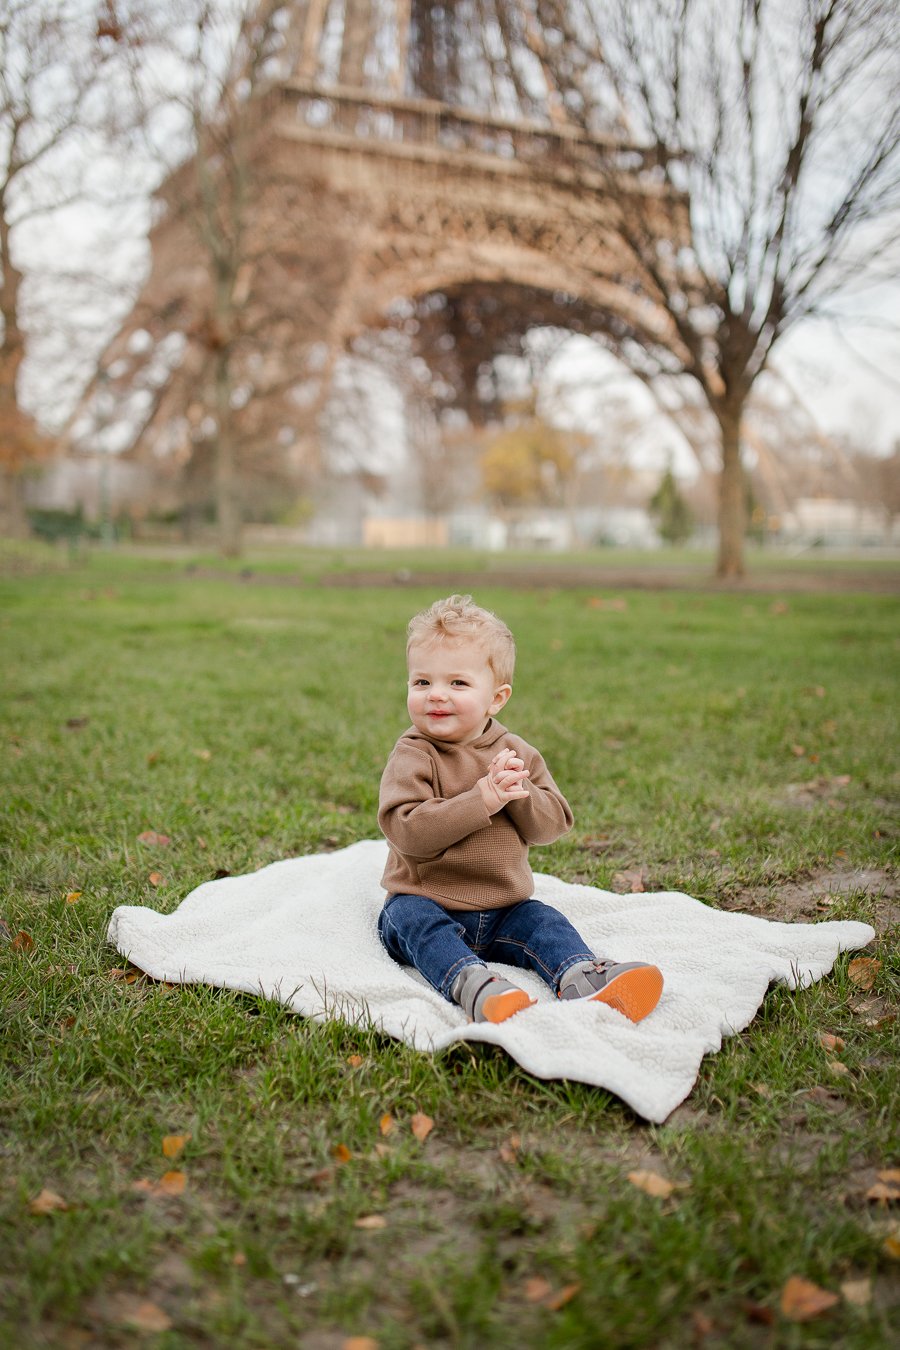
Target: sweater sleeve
<point>544,815</point>
<point>418,823</point>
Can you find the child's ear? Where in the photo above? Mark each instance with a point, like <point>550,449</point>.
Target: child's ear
<point>501,696</point>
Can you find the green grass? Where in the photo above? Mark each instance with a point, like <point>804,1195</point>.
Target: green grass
<point>250,723</point>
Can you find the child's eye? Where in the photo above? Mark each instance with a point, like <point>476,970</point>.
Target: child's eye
<point>464,683</point>
<point>419,682</point>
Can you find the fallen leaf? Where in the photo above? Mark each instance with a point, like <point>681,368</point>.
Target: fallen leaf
<point>354,1061</point>
<point>801,1300</point>
<point>387,1124</point>
<point>862,971</point>
<point>155,878</point>
<point>359,1343</point>
<point>509,1149</point>
<point>172,1183</point>
<point>857,1292</point>
<point>536,1289</point>
<point>341,1153</point>
<point>370,1223</point>
<point>837,1068</point>
<point>652,1183</point>
<point>421,1126</point>
<point>201,842</point>
<point>46,1202</point>
<point>630,882</point>
<point>883,1193</point>
<point>598,843</point>
<point>758,1312</point>
<point>562,1297</point>
<point>702,1325</point>
<point>173,1144</point>
<point>891,1247</point>
<point>152,758</point>
<point>72,896</point>
<point>889,1174</point>
<point>831,1043</point>
<point>798,750</point>
<point>22,942</point>
<point>151,837</point>
<point>762,1089</point>
<point>382,1151</point>
<point>146,1316</point>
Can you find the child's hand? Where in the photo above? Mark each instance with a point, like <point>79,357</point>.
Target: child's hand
<point>504,781</point>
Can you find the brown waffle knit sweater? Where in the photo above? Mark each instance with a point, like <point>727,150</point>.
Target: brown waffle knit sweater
<point>443,841</point>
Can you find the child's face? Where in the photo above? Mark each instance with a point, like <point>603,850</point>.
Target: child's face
<point>452,690</point>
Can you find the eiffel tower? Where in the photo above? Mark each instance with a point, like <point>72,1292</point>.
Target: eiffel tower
<point>390,167</point>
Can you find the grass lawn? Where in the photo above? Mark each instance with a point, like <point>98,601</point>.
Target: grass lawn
<point>741,748</point>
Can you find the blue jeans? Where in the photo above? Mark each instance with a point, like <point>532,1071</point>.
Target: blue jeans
<point>440,942</point>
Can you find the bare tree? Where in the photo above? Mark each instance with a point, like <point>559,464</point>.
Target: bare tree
<point>54,117</point>
<point>214,370</point>
<point>777,122</point>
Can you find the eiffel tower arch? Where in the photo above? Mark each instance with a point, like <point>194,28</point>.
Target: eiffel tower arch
<point>381,162</point>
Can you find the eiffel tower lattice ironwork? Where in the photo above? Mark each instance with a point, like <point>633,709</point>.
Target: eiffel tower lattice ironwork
<point>376,165</point>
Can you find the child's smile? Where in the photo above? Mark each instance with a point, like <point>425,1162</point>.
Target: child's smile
<point>453,690</point>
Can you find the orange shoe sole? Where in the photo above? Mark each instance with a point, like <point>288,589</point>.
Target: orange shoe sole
<point>498,1007</point>
<point>634,993</point>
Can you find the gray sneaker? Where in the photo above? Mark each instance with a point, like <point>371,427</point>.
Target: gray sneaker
<point>633,988</point>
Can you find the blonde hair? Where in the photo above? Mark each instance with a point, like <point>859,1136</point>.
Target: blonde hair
<point>459,617</point>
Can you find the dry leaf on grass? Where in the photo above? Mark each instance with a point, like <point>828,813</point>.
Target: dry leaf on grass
<point>833,1044</point>
<point>359,1343</point>
<point>22,942</point>
<point>370,1223</point>
<point>172,1144</point>
<point>536,1289</point>
<point>509,1149</point>
<point>631,882</point>
<point>857,1292</point>
<point>152,838</point>
<point>155,878</point>
<point>539,1290</point>
<point>387,1124</point>
<point>421,1126</point>
<point>341,1153</point>
<point>47,1202</point>
<point>143,1315</point>
<point>170,1183</point>
<point>354,1061</point>
<point>72,896</point>
<point>862,971</point>
<point>652,1183</point>
<point>801,1300</point>
<point>562,1297</point>
<point>883,1193</point>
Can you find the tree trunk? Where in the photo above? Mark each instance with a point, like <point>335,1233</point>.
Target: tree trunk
<point>228,511</point>
<point>732,507</point>
<point>13,511</point>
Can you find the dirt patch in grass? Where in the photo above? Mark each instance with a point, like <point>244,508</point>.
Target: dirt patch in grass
<point>816,895</point>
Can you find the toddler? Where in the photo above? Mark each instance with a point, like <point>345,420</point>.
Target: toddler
<point>461,800</point>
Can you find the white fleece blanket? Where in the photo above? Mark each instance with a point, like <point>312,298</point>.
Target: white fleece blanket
<point>304,932</point>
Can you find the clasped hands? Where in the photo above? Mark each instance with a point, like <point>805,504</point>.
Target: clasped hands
<point>504,781</point>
